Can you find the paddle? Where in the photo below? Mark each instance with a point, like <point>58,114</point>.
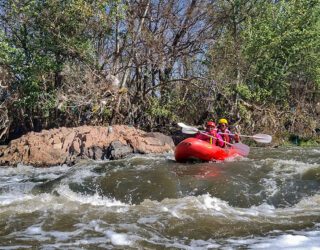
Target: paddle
<point>262,138</point>
<point>241,149</point>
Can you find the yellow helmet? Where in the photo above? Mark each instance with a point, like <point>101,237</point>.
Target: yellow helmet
<point>223,121</point>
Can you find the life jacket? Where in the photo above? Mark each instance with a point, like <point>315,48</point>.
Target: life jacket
<point>225,135</point>
<point>211,140</point>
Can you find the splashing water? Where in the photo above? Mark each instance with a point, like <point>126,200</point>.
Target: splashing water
<point>269,200</point>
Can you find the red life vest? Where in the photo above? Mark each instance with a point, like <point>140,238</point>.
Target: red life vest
<point>207,138</point>
<point>225,135</point>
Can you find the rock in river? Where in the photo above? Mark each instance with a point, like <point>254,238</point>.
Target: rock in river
<point>68,145</point>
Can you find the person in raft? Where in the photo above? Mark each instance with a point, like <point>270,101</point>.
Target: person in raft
<point>211,130</point>
<point>225,133</point>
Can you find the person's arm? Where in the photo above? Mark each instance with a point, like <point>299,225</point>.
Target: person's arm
<point>236,137</point>
<point>237,133</point>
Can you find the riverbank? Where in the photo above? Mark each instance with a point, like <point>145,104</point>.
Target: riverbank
<point>70,145</point>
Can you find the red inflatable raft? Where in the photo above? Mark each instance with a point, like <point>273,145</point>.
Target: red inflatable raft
<point>192,148</point>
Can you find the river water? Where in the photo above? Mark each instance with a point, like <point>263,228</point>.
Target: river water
<point>270,200</point>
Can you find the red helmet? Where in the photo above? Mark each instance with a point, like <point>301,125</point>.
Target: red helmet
<point>210,123</point>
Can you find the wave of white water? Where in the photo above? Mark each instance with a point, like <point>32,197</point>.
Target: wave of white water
<point>64,216</point>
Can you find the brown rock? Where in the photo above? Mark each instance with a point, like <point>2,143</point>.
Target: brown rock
<point>67,145</point>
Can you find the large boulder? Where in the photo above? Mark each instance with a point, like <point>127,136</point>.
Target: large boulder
<point>68,145</point>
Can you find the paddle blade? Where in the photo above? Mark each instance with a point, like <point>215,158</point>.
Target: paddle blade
<point>242,149</point>
<point>182,125</point>
<point>262,138</point>
<point>189,131</point>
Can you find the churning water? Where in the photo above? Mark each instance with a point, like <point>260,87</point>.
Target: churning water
<point>269,200</point>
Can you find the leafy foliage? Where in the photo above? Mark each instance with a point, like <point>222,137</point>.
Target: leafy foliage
<point>281,47</point>
<point>254,62</point>
<point>42,37</point>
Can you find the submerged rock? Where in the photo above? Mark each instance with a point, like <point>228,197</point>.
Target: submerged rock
<point>69,145</point>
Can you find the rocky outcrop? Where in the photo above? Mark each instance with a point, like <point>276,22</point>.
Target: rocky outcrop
<point>68,145</point>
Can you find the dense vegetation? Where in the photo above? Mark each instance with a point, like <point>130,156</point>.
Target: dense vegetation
<point>153,63</point>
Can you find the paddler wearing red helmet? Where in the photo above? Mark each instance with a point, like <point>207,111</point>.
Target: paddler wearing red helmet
<point>225,132</point>
<point>212,131</point>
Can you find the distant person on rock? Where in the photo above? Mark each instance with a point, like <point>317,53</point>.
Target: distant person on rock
<point>211,135</point>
